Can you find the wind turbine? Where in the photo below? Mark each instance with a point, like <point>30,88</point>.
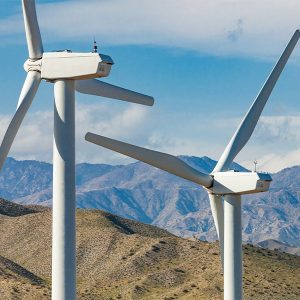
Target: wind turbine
<point>224,186</point>
<point>68,71</point>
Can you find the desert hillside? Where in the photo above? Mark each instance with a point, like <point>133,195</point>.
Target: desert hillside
<point>123,259</point>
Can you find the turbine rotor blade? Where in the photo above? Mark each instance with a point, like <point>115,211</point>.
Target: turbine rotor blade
<point>100,88</point>
<point>157,159</point>
<point>247,126</point>
<point>217,210</point>
<point>28,92</point>
<point>33,35</point>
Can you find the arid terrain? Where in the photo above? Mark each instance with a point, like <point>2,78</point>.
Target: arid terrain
<point>123,259</point>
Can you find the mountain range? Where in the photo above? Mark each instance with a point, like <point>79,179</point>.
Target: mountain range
<point>143,193</point>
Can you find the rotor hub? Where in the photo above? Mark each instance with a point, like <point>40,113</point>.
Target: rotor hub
<point>33,65</point>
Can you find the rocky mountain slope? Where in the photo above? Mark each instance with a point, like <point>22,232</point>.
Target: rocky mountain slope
<point>140,192</point>
<point>276,245</point>
<point>122,259</point>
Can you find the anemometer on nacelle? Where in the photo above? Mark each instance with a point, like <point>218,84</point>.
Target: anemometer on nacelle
<point>70,65</point>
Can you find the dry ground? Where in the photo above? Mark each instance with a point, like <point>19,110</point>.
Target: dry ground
<point>123,259</point>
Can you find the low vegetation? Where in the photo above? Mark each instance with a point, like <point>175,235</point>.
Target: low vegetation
<point>123,259</point>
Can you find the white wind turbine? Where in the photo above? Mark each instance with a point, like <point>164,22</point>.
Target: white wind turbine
<point>224,187</point>
<point>69,72</point>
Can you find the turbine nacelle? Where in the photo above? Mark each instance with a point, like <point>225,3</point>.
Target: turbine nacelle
<point>69,65</point>
<point>240,183</point>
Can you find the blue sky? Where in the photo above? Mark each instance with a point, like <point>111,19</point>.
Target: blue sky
<point>203,61</point>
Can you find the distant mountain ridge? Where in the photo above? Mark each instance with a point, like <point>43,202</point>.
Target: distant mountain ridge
<point>141,192</point>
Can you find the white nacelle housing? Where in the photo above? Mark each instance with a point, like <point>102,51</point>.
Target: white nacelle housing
<point>240,182</point>
<point>68,65</point>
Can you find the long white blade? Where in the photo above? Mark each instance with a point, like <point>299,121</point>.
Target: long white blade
<point>28,92</point>
<point>217,210</point>
<point>33,35</point>
<point>246,128</point>
<point>157,159</point>
<point>100,88</point>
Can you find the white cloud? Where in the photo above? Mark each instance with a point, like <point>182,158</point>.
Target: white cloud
<point>278,129</point>
<point>111,122</point>
<point>274,146</point>
<point>172,145</point>
<point>259,28</point>
<point>125,124</point>
<point>183,145</point>
<point>273,163</point>
<point>34,140</point>
<point>275,142</point>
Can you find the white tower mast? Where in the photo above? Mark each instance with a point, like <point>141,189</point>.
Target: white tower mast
<point>64,204</point>
<point>69,72</point>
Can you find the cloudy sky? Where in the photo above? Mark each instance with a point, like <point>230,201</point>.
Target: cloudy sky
<point>203,61</point>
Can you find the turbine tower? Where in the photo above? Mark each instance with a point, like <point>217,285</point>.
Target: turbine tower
<point>68,71</point>
<point>224,186</point>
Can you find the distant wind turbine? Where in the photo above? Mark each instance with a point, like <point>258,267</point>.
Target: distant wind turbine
<point>224,186</point>
<point>69,71</point>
